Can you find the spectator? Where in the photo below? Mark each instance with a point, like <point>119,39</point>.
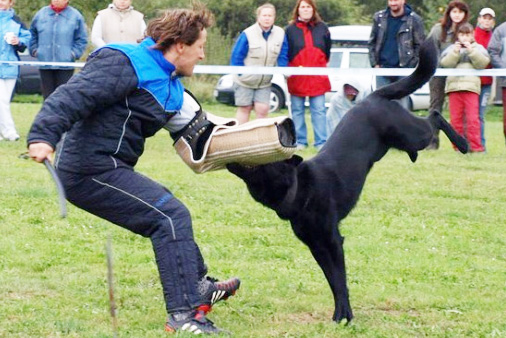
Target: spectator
<point>308,46</point>
<point>261,44</point>
<point>497,50</point>
<point>396,35</point>
<point>342,101</point>
<point>59,34</point>
<point>125,94</point>
<point>444,34</point>
<point>119,22</point>
<point>464,91</point>
<point>482,35</point>
<point>15,38</point>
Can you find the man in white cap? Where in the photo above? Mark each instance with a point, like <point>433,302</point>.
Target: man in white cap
<point>482,35</point>
<point>497,51</point>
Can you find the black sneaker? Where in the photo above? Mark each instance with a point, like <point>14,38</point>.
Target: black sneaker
<point>212,291</point>
<point>193,322</point>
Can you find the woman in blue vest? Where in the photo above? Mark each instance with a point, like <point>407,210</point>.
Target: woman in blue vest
<point>15,38</point>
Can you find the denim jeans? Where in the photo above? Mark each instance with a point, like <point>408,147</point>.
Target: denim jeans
<point>382,81</point>
<point>484,97</point>
<point>318,119</point>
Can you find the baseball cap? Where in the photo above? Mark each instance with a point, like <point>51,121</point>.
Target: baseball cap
<point>488,11</point>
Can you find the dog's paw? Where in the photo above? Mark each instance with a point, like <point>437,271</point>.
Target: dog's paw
<point>343,315</point>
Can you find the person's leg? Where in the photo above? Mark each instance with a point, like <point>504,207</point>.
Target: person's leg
<point>47,81</point>
<point>484,98</point>
<point>298,112</point>
<point>242,114</point>
<point>382,81</point>
<point>7,128</point>
<point>261,98</point>
<point>244,101</point>
<point>456,112</point>
<point>437,99</point>
<point>504,110</point>
<point>471,111</point>
<point>144,207</point>
<point>318,119</point>
<point>62,76</point>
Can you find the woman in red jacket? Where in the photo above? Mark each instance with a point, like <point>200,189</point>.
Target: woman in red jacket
<point>308,46</point>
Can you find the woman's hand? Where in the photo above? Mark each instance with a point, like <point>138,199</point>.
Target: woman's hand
<point>40,151</point>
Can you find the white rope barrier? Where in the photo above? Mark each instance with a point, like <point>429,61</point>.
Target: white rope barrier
<point>209,69</point>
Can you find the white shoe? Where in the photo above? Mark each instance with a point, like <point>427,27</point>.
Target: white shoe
<point>12,138</point>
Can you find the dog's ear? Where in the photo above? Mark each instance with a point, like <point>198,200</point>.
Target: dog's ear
<point>295,160</point>
<point>413,155</point>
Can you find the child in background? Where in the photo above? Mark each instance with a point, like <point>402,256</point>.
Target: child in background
<point>464,91</point>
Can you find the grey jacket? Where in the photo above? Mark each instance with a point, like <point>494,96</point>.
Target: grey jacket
<point>497,50</point>
<point>411,34</point>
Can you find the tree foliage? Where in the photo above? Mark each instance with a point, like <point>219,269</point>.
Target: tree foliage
<point>233,16</point>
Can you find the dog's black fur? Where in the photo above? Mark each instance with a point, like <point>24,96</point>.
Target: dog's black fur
<point>315,195</point>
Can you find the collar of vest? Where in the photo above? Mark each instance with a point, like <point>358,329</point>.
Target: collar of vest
<point>154,72</point>
<point>112,6</point>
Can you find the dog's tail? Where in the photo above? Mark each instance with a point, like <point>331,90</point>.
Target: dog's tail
<point>427,65</point>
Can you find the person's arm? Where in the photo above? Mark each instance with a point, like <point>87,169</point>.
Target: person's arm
<point>450,57</point>
<point>240,51</point>
<point>418,35</point>
<point>96,33</point>
<point>328,43</point>
<point>372,42</point>
<point>34,40</point>
<point>106,78</point>
<point>143,28</point>
<point>283,54</point>
<point>495,47</point>
<point>80,38</point>
<point>479,56</point>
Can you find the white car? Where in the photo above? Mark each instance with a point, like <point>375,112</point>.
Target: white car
<point>352,54</point>
<point>341,57</point>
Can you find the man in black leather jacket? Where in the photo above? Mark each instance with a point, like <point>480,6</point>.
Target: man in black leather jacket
<point>396,35</point>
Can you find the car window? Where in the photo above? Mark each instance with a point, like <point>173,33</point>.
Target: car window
<point>359,60</point>
<point>335,59</point>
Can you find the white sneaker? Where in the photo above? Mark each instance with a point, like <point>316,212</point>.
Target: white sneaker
<point>12,138</point>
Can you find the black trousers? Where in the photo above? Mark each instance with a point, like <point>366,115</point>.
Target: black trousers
<point>52,78</point>
<point>137,203</point>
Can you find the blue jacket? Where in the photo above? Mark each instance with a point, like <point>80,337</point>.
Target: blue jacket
<point>58,37</point>
<point>103,115</point>
<point>11,23</point>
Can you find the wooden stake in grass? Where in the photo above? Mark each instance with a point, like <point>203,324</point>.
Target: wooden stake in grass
<point>110,283</point>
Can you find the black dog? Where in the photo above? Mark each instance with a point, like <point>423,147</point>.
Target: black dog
<point>315,195</point>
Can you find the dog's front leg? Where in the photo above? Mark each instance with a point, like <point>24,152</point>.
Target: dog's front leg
<point>329,254</point>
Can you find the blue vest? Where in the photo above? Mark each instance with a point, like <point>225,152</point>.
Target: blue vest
<point>154,73</point>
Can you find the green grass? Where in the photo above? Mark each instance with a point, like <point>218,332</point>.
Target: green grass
<point>425,247</point>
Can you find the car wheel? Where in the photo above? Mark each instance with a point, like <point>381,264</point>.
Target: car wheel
<point>277,99</point>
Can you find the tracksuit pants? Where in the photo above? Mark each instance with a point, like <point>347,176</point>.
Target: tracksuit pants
<point>464,117</point>
<point>138,204</point>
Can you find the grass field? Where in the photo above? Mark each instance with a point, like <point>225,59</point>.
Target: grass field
<point>425,247</point>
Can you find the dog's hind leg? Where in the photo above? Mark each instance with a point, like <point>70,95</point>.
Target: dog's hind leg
<point>438,122</point>
<point>329,254</point>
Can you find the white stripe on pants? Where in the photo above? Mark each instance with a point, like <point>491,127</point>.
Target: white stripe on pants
<point>7,128</point>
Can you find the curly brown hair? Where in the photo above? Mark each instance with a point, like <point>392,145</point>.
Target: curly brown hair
<point>179,25</point>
